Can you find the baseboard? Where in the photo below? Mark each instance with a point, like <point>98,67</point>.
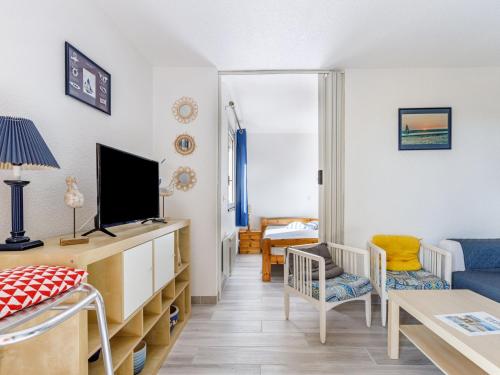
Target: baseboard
<point>204,300</point>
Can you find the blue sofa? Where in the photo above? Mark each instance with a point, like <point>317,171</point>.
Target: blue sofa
<point>481,260</point>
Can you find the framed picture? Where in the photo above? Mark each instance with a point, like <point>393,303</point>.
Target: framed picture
<point>86,81</point>
<point>424,128</point>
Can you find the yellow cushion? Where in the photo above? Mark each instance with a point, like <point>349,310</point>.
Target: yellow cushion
<point>402,251</point>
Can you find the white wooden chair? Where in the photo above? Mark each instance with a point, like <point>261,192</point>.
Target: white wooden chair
<point>327,294</point>
<point>435,261</point>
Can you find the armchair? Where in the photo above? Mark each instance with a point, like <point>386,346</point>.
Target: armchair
<point>353,284</point>
<point>435,273</point>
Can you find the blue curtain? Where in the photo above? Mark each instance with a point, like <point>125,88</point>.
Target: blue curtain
<point>241,179</point>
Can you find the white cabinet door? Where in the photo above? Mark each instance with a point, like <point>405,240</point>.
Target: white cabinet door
<point>137,277</point>
<point>163,260</point>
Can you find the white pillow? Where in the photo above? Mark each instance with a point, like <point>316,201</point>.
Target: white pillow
<point>457,254</point>
<point>313,225</point>
<point>296,225</point>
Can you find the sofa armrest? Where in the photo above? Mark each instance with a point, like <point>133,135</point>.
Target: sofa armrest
<point>457,254</point>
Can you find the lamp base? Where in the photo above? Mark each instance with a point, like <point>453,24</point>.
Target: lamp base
<point>20,246</point>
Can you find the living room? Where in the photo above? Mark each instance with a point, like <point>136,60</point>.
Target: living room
<point>408,129</point>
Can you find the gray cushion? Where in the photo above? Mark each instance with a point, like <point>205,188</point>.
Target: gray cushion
<point>331,269</point>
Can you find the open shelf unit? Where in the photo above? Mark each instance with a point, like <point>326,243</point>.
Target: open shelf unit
<point>150,322</point>
<point>146,324</point>
<point>136,274</point>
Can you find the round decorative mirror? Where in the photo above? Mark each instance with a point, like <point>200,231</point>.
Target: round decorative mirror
<point>185,109</point>
<point>184,144</point>
<point>185,178</point>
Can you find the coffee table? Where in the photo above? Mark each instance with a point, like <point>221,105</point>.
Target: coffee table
<point>452,351</point>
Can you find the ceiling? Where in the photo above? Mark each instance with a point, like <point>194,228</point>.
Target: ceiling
<point>310,34</point>
<point>274,103</point>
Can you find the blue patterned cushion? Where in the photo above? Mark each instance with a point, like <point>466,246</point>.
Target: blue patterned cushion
<point>341,288</point>
<point>414,280</point>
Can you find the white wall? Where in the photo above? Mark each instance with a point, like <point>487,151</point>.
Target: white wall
<point>282,175</point>
<point>430,194</point>
<point>32,36</point>
<point>200,203</point>
<point>275,103</point>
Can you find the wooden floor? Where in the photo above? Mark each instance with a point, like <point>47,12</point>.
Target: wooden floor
<point>246,334</point>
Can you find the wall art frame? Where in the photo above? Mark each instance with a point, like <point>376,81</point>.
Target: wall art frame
<point>185,110</point>
<point>86,81</point>
<point>184,144</point>
<point>424,128</point>
<point>184,178</point>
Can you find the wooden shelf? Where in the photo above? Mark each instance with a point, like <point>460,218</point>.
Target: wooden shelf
<point>121,347</point>
<point>132,314</point>
<point>155,356</point>
<point>149,321</point>
<point>444,356</point>
<point>157,353</point>
<point>127,367</point>
<point>179,287</point>
<point>181,268</point>
<point>94,340</point>
<point>165,303</point>
<point>174,334</point>
<point>100,247</point>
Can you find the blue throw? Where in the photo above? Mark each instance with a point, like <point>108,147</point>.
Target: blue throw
<point>480,254</point>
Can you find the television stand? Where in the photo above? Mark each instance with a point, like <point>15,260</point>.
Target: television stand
<point>103,230</point>
<point>98,228</point>
<point>154,220</point>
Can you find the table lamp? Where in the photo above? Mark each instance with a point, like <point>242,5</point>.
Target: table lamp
<point>21,146</point>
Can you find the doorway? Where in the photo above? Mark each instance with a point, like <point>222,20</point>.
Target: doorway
<point>293,133</point>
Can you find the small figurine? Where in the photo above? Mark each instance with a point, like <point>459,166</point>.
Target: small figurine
<point>74,199</point>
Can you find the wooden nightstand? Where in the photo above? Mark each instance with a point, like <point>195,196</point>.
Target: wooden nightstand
<point>250,241</point>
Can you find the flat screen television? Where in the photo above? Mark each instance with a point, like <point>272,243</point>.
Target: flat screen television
<point>127,188</point>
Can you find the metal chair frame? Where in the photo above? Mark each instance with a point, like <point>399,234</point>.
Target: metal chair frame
<point>92,301</point>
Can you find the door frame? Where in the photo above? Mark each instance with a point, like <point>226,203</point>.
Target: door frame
<point>331,137</point>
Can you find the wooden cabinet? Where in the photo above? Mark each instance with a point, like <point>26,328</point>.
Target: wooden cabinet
<point>249,241</point>
<point>163,255</point>
<point>137,277</point>
<point>135,274</point>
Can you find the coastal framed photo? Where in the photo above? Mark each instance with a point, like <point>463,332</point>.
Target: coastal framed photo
<point>424,128</point>
<point>86,81</point>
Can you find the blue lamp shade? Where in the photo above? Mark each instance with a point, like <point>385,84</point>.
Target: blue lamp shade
<point>22,144</point>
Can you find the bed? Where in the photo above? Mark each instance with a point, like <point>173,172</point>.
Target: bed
<point>281,232</point>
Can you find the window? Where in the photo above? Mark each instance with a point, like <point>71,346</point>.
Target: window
<point>231,170</point>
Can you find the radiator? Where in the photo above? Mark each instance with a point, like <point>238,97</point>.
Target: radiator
<point>229,252</point>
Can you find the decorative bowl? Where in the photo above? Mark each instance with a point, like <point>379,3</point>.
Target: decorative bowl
<point>140,352</point>
<point>94,357</point>
<point>174,316</point>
